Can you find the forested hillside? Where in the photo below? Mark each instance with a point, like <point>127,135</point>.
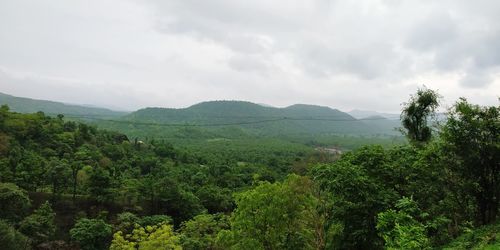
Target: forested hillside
<point>84,171</point>
<point>225,124</point>
<point>261,120</point>
<point>28,105</point>
<point>70,185</point>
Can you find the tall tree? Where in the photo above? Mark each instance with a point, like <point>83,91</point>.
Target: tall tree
<point>58,175</point>
<point>273,216</point>
<point>360,185</point>
<point>416,113</point>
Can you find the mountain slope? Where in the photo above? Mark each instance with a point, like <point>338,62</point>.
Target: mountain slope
<point>215,118</point>
<point>260,120</point>
<point>27,105</point>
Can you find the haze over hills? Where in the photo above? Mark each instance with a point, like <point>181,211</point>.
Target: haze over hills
<point>360,114</point>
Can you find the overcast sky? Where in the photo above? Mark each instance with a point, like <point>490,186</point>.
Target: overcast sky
<point>365,54</point>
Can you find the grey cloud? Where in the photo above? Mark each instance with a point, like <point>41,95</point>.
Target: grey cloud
<point>362,62</point>
<point>487,50</point>
<point>477,78</point>
<point>249,63</point>
<point>235,15</point>
<point>478,57</point>
<point>462,38</point>
<point>435,31</point>
<point>341,53</point>
<point>240,42</point>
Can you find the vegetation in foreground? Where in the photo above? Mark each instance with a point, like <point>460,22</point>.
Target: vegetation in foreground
<point>69,185</point>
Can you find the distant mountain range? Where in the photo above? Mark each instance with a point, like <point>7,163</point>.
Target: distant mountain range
<point>361,114</point>
<point>222,116</point>
<point>266,120</point>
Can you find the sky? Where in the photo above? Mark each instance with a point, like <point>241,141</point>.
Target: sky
<point>364,54</point>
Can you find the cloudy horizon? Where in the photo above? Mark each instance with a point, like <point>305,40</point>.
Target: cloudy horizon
<point>368,55</point>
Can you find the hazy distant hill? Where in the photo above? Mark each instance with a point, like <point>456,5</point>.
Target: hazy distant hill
<point>359,114</point>
<point>234,110</point>
<point>27,105</point>
<point>262,120</point>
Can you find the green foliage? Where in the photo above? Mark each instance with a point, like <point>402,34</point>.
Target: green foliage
<point>401,229</point>
<point>416,113</point>
<point>59,175</point>
<point>360,185</point>
<point>215,199</point>
<point>52,155</point>
<point>154,220</point>
<point>40,225</point>
<point>168,196</point>
<point>353,200</point>
<point>147,238</point>
<point>201,231</point>
<point>273,216</point>
<point>481,238</point>
<point>126,222</point>
<point>29,170</point>
<point>11,239</point>
<point>14,202</point>
<point>91,234</point>
<point>100,184</point>
<point>472,137</point>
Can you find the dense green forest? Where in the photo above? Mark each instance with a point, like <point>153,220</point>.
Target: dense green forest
<point>224,125</point>
<point>65,184</point>
<point>254,119</point>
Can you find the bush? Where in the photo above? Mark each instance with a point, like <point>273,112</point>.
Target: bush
<point>14,202</point>
<point>10,239</point>
<point>91,234</point>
